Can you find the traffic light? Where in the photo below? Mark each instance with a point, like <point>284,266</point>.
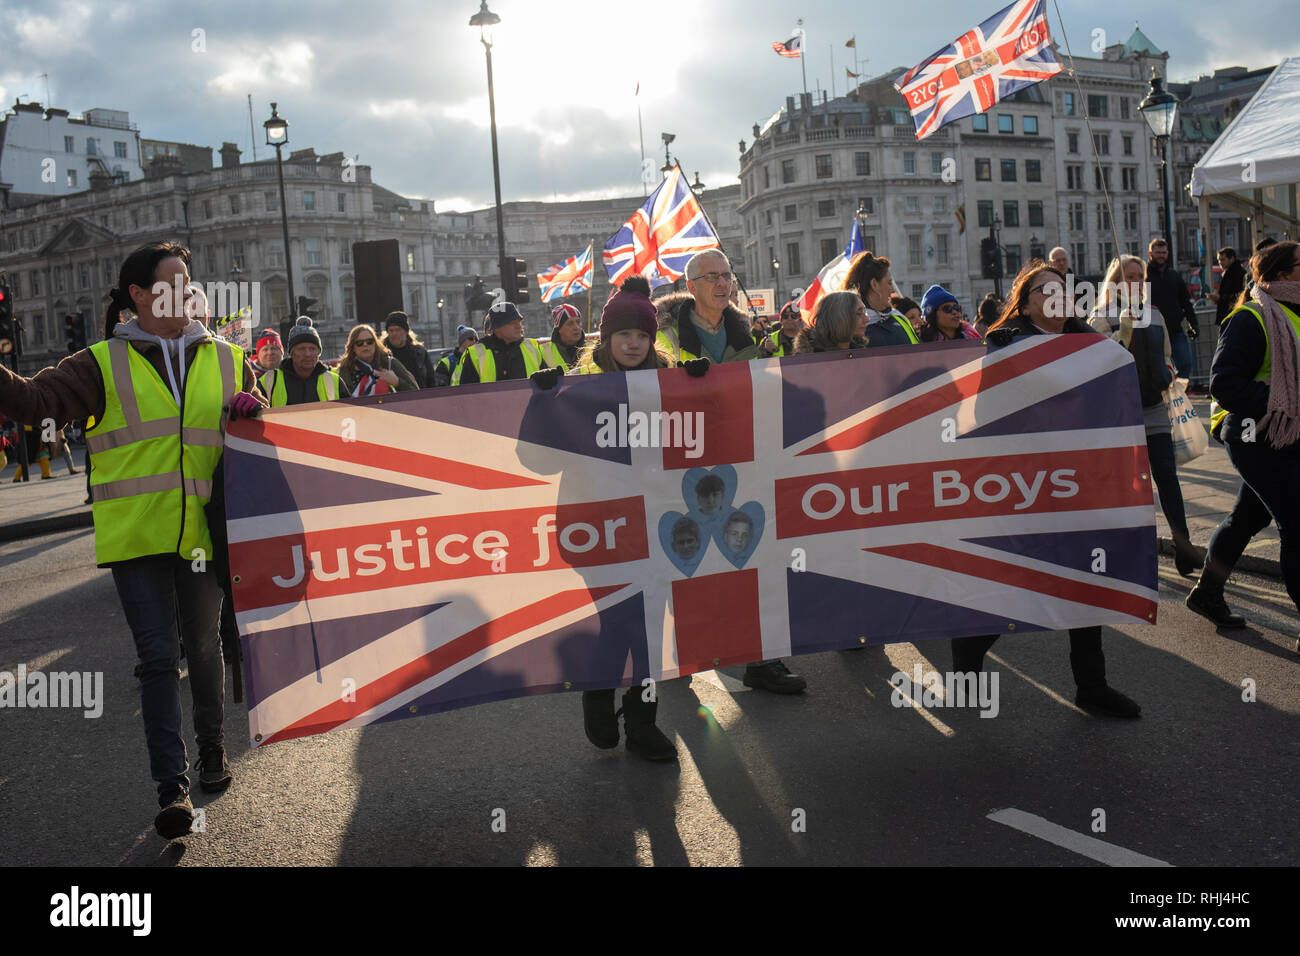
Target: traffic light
<point>6,321</point>
<point>74,332</point>
<point>990,260</point>
<point>518,276</point>
<point>304,307</point>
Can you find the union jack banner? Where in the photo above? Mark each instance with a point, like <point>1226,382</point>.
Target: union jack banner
<point>426,551</point>
<point>661,236</point>
<point>1007,52</point>
<point>569,277</point>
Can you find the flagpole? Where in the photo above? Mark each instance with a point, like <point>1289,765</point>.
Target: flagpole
<point>705,213</point>
<point>591,249</point>
<point>831,46</point>
<point>641,132</point>
<point>803,55</point>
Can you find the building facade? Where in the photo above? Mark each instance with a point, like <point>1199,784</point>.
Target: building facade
<point>46,153</point>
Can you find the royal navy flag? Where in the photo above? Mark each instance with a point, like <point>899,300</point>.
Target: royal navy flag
<point>424,551</point>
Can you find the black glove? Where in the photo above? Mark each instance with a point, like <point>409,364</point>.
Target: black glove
<point>547,378</point>
<point>1001,337</point>
<point>1193,332</point>
<point>696,368</point>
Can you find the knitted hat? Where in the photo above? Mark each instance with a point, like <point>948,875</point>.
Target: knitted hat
<point>501,315</point>
<point>629,308</point>
<point>934,297</point>
<point>464,332</point>
<point>399,319</point>
<point>269,337</point>
<point>562,313</point>
<point>302,331</point>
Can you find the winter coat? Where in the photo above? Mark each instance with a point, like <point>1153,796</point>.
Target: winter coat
<point>414,359</point>
<point>406,382</point>
<point>1237,359</point>
<point>678,337</point>
<point>1169,294</point>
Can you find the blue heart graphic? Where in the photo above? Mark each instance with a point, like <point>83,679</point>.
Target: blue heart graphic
<point>745,525</point>
<point>718,505</point>
<point>678,550</point>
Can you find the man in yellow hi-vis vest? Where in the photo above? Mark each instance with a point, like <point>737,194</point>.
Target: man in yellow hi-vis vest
<point>302,377</point>
<point>503,355</point>
<point>160,391</point>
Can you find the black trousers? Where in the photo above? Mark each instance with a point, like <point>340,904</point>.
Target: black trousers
<point>1086,659</point>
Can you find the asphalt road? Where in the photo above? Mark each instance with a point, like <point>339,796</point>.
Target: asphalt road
<point>835,776</point>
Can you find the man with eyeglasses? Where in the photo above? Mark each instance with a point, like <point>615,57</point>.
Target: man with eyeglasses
<point>702,323</point>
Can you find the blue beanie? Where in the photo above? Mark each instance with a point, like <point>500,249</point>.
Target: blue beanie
<point>934,297</point>
<point>502,314</point>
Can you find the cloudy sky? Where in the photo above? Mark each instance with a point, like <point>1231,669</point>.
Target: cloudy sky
<point>403,84</point>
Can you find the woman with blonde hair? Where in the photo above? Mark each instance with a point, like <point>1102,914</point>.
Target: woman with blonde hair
<point>1123,313</point>
<point>368,368</point>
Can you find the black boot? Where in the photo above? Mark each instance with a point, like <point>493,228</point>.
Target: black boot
<point>643,738</point>
<point>598,718</point>
<point>1210,604</point>
<point>214,770</point>
<point>177,814</point>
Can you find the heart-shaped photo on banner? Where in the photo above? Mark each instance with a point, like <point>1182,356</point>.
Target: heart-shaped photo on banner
<point>739,534</point>
<point>683,540</point>
<point>709,492</point>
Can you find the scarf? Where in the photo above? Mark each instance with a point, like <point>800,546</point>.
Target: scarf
<point>1281,424</point>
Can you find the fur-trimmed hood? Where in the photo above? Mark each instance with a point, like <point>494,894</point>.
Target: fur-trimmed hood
<point>674,312</point>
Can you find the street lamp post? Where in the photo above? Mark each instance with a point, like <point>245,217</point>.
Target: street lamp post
<point>485,19</point>
<point>1160,109</point>
<point>277,135</point>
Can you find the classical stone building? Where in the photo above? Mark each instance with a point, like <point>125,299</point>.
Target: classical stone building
<point>46,153</point>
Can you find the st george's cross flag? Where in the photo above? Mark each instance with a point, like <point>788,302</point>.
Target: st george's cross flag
<point>1007,52</point>
<point>833,274</point>
<point>566,278</point>
<point>661,236</point>
<point>425,551</point>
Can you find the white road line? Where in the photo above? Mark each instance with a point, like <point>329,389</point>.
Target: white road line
<point>1090,847</point>
<point>1033,683</point>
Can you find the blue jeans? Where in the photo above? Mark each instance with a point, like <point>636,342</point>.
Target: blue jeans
<point>1181,351</point>
<point>158,593</point>
<point>1275,477</point>
<point>1164,469</point>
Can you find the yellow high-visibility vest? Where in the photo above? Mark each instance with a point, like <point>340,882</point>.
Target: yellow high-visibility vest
<point>1217,412</point>
<point>485,363</point>
<point>272,382</point>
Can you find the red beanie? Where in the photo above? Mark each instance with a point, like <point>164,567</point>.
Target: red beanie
<point>269,337</point>
<point>629,308</point>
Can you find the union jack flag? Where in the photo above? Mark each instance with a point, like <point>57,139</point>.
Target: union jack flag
<point>1007,52</point>
<point>833,274</point>
<point>480,543</point>
<point>661,236</point>
<point>569,277</point>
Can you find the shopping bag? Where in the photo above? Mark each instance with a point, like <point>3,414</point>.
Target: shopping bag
<point>1190,439</point>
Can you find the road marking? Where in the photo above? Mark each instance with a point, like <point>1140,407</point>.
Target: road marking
<point>1080,843</point>
<point>1043,687</point>
<point>904,656</point>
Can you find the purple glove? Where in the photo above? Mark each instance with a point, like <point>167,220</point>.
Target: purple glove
<point>244,405</point>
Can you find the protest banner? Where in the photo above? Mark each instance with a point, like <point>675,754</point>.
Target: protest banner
<point>406,554</point>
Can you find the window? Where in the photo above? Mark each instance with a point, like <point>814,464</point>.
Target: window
<point>275,253</point>
<point>787,171</point>
<point>1006,123</point>
<point>936,163</point>
<point>983,170</point>
<point>1036,251</point>
<point>940,204</point>
<point>345,253</point>
<point>343,201</point>
<point>349,304</point>
<point>1035,212</point>
<point>767,178</point>
<point>1130,216</point>
<point>868,206</point>
<point>1011,214</point>
<point>823,164</point>
<point>941,247</point>
<point>1128,144</point>
<point>985,208</point>
<point>1078,257</point>
<point>912,204</point>
<point>1073,176</point>
<point>90,147</point>
<point>1129,177</point>
<point>768,216</point>
<point>1029,124</point>
<point>207,209</point>
<point>862,164</point>
<point>829,249</point>
<point>312,247</point>
<point>1123,107</point>
<point>913,249</point>
<point>1107,251</point>
<point>791,212</point>
<point>410,258</point>
<point>1008,167</point>
<point>210,259</point>
<point>1033,170</point>
<point>1076,216</point>
<point>308,200</point>
<point>234,204</point>
<point>272,201</point>
<point>980,122</point>
<point>792,264</point>
<point>1102,142</point>
<point>1097,105</point>
<point>158,214</point>
<point>1103,220</point>
<point>38,327</point>
<point>57,272</point>
<point>909,163</point>
<point>36,283</point>
<point>1013,258</point>
<point>72,179</point>
<point>918,290</point>
<point>135,218</point>
<point>825,209</point>
<point>83,275</point>
<point>1072,142</point>
<point>68,145</point>
<point>1101,175</point>
<point>1068,104</point>
<point>119,149</point>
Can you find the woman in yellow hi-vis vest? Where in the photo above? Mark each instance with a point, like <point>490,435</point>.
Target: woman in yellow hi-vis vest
<point>160,391</point>
<point>1255,383</point>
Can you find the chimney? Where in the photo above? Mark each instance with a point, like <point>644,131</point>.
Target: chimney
<point>789,104</point>
<point>229,155</point>
<point>805,101</point>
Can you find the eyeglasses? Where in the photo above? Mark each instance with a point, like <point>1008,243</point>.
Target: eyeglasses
<point>950,307</point>
<point>360,342</point>
<point>713,277</point>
